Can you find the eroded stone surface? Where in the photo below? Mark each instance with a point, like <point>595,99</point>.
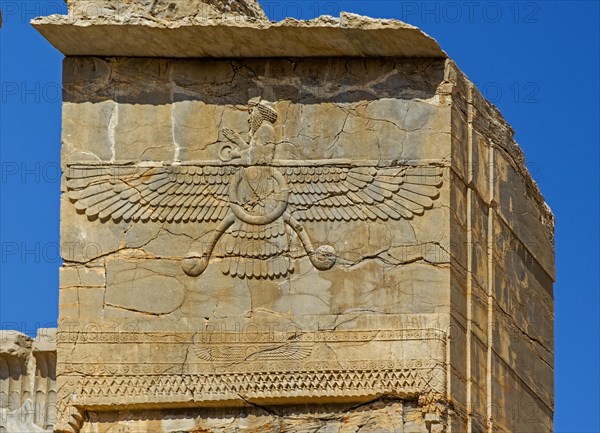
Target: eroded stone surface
<point>163,11</point>
<point>385,415</point>
<point>337,234</point>
<point>350,35</point>
<point>266,269</point>
<point>27,381</point>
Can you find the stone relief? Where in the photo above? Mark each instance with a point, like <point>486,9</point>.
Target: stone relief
<point>224,366</point>
<point>384,324</point>
<point>258,200</point>
<point>243,352</point>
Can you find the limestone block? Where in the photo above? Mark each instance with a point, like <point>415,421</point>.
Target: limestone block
<point>479,241</point>
<point>530,364</point>
<point>479,312</point>
<point>524,292</point>
<point>68,302</point>
<point>350,35</point>
<point>527,218</point>
<point>479,374</point>
<point>90,242</point>
<point>481,166</point>
<point>184,246</point>
<point>87,80</point>
<point>457,378</point>
<point>325,264</point>
<point>195,129</point>
<point>94,299</point>
<point>151,288</point>
<point>381,416</point>
<point>81,276</point>
<point>515,408</point>
<point>85,136</point>
<point>144,132</point>
<point>461,162</point>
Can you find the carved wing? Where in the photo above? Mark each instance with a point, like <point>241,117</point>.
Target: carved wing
<point>285,352</point>
<point>259,353</point>
<point>172,193</point>
<point>332,193</point>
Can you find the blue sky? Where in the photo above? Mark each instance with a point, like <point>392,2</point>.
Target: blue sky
<point>537,61</point>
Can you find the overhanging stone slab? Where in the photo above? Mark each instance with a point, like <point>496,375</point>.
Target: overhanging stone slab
<point>349,36</point>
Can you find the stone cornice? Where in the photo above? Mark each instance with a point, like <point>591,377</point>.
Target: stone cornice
<point>348,36</point>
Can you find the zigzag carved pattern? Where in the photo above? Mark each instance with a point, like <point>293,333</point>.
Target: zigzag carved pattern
<point>222,386</point>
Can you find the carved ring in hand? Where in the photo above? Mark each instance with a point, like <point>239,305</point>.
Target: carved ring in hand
<point>225,153</point>
<point>281,198</point>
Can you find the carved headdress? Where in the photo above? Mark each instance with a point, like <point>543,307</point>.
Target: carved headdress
<point>264,108</point>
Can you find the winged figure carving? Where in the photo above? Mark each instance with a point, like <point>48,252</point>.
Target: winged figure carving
<point>260,202</point>
<point>237,353</point>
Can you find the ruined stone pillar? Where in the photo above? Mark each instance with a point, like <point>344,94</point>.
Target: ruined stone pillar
<point>295,226</point>
<point>27,381</point>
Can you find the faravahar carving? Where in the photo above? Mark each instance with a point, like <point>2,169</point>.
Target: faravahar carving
<point>258,200</point>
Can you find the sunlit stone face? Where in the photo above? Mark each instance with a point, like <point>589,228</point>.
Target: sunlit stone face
<point>167,10</point>
<point>297,224</point>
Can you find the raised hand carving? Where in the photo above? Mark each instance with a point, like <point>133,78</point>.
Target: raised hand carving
<point>260,147</point>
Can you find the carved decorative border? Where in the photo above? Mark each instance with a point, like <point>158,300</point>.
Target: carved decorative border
<point>291,374</point>
<point>211,336</point>
<point>314,379</point>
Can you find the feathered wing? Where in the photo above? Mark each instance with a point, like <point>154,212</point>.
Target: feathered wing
<point>361,193</point>
<point>172,193</point>
<point>285,351</point>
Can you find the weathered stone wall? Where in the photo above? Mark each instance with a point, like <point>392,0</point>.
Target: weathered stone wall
<point>502,274</point>
<point>301,226</point>
<point>434,309</point>
<point>374,324</point>
<point>27,381</point>
<point>387,415</point>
